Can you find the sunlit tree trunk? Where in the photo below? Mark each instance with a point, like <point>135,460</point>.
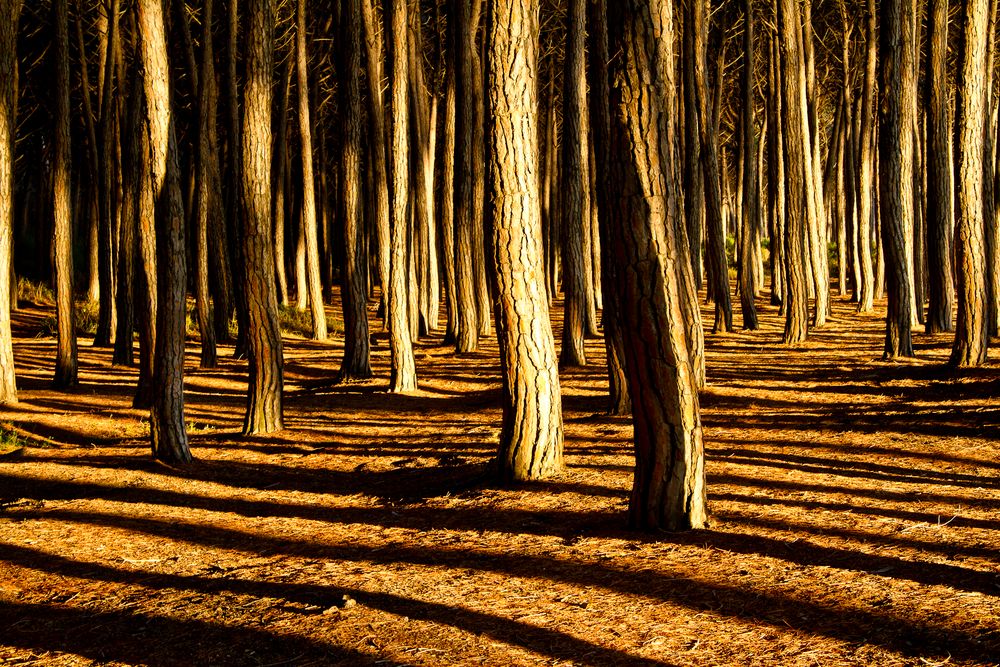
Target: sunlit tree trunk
<point>531,438</point>
<point>668,491</point>
<point>866,178</point>
<point>750,221</point>
<point>167,429</point>
<point>264,349</point>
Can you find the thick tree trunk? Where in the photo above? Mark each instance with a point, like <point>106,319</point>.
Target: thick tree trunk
<point>66,361</point>
<point>356,364</point>
<point>531,438</point>
<point>971,335</point>
<point>574,190</point>
<point>898,79</point>
<point>167,429</point>
<point>796,172</point>
<point>669,487</point>
<point>264,349</point>
<point>315,287</point>
<point>403,373</point>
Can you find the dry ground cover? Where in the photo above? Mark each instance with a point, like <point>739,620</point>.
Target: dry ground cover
<point>855,518</point>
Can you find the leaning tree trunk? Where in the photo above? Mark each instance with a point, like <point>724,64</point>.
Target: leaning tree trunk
<point>971,337</point>
<point>356,364</point>
<point>66,362</point>
<point>531,439</point>
<point>167,430</point>
<point>796,293</point>
<point>403,375</point>
<point>668,491</point>
<point>315,288</point>
<point>896,168</point>
<point>574,189</point>
<point>264,351</point>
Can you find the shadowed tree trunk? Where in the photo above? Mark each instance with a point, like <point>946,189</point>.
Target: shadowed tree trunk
<point>167,430</point>
<point>264,350</point>
<point>574,190</point>
<point>668,491</point>
<point>750,221</point>
<point>445,195</point>
<point>128,238</point>
<point>531,440</point>
<point>403,374</point>
<point>314,285</point>
<point>796,296</point>
<point>694,180</point>
<point>356,364</point>
<point>66,361</point>
<point>940,221</point>
<point>971,337</point>
<point>896,168</point>
<point>281,194</point>
<point>600,117</point>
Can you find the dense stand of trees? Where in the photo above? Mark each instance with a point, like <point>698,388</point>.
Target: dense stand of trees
<point>488,156</point>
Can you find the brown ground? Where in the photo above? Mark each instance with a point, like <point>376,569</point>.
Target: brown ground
<point>854,512</point>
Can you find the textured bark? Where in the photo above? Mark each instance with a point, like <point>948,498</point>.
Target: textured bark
<point>816,215</point>
<point>531,438</point>
<point>575,191</point>
<point>107,187</point>
<point>971,334</point>
<point>898,80</point>
<point>796,172</point>
<point>991,221</point>
<point>466,16</point>
<point>446,199</point>
<point>167,430</point>
<point>403,375</point>
<point>866,171</point>
<point>66,361</point>
<point>209,196</point>
<point>356,364</point>
<point>669,487</point>
<point>619,402</point>
<point>694,180</point>
<point>715,231</point>
<point>377,145</point>
<point>236,213</point>
<point>125,284</point>
<point>750,218</point>
<point>314,284</point>
<point>264,349</point>
<point>776,180</point>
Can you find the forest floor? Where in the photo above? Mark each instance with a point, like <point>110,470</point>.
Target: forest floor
<point>854,513</point>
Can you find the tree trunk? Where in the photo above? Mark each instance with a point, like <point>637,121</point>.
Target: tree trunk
<point>750,221</point>
<point>167,430</point>
<point>694,181</point>
<point>574,190</point>
<point>796,171</point>
<point>403,373</point>
<point>866,180</point>
<point>125,286</point>
<point>66,362</point>
<point>281,194</point>
<point>898,79</point>
<point>446,198</point>
<point>531,439</point>
<point>314,285</point>
<point>669,487</point>
<point>356,364</point>
<point>264,348</point>
<point>971,335</point>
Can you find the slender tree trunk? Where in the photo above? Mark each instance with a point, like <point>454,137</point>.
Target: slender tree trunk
<point>314,285</point>
<point>356,364</point>
<point>237,211</point>
<point>669,487</point>
<point>125,286</point>
<point>971,334</point>
<point>377,145</point>
<point>750,221</point>
<point>896,168</point>
<point>574,190</point>
<point>264,348</point>
<point>531,438</point>
<point>167,430</point>
<point>991,222</point>
<point>600,116</point>
<point>796,171</point>
<point>446,199</point>
<point>403,374</point>
<point>281,195</point>
<point>66,361</point>
<point>466,19</point>
<point>694,180</point>
<point>866,173</point>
